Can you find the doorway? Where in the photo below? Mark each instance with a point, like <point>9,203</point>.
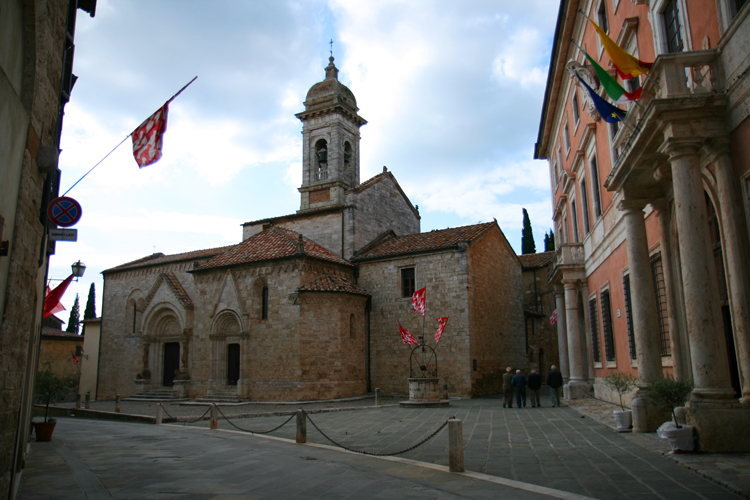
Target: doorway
<point>233,364</point>
<point>171,362</point>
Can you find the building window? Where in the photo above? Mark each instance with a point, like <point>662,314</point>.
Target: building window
<point>601,17</point>
<point>407,282</point>
<point>660,291</point>
<point>594,331</point>
<point>672,25</point>
<point>574,105</point>
<point>566,136</point>
<point>629,316</point>
<point>264,303</point>
<point>574,218</point>
<point>596,195</point>
<point>321,160</point>
<point>609,338</point>
<point>585,207</point>
<point>613,128</point>
<point>736,6</point>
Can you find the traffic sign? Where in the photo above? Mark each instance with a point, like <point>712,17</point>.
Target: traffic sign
<point>64,211</point>
<point>63,234</point>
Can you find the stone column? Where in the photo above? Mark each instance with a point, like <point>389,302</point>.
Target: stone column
<point>702,310</point>
<point>575,361</point>
<point>562,333</point>
<point>589,373</point>
<point>680,361</point>
<point>644,312</point>
<point>737,259</point>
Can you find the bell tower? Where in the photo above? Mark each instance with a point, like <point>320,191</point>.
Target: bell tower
<point>330,142</point>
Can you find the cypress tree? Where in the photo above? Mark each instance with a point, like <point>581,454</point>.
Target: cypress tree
<point>75,318</point>
<point>90,311</point>
<point>527,237</point>
<point>546,242</point>
<point>551,241</point>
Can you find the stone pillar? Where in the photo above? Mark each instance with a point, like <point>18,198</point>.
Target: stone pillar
<point>562,333</point>
<point>680,358</point>
<point>577,385</point>
<point>737,259</point>
<point>720,421</point>
<point>644,312</point>
<point>588,350</point>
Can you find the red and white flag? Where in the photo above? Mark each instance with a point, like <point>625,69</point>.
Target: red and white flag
<point>418,300</point>
<point>439,333</point>
<point>59,307</point>
<point>52,300</point>
<point>75,359</point>
<point>407,336</point>
<point>553,318</point>
<point>147,138</point>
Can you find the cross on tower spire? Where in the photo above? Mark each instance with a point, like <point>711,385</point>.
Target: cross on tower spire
<point>331,44</point>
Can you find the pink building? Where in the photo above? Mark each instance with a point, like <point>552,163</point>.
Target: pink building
<point>652,268</point>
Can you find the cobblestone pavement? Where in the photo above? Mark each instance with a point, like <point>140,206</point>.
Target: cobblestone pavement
<point>558,448</point>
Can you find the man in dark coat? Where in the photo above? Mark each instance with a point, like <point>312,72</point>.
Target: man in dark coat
<point>535,382</point>
<point>519,384</point>
<point>507,388</point>
<point>555,382</point>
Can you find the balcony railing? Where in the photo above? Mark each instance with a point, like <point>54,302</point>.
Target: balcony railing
<point>569,255</point>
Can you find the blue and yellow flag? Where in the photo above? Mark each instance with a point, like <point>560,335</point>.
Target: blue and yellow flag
<point>609,112</point>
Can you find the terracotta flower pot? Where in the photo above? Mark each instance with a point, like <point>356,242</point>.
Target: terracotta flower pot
<point>44,430</point>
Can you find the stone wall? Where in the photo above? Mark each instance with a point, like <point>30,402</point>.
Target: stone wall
<point>495,311</point>
<point>445,274</point>
<point>538,296</point>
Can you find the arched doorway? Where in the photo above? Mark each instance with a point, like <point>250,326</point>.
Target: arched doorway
<point>171,362</point>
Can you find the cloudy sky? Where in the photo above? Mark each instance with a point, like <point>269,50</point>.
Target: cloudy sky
<point>452,92</point>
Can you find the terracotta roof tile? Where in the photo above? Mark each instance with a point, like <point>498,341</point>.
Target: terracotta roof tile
<point>54,332</point>
<point>328,283</point>
<point>159,258</point>
<point>535,260</point>
<point>424,242</point>
<point>271,243</point>
<point>177,288</point>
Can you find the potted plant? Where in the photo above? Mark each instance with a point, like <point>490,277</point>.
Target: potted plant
<point>49,386</point>
<point>669,392</point>
<point>622,383</point>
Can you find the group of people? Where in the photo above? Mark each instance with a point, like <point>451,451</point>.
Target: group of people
<point>517,384</point>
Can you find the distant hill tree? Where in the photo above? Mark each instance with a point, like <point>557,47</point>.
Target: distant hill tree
<point>90,311</point>
<point>75,318</point>
<point>527,237</point>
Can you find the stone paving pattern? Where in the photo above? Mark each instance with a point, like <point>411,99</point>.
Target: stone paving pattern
<point>557,448</point>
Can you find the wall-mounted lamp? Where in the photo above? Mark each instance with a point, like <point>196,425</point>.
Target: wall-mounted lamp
<point>78,269</point>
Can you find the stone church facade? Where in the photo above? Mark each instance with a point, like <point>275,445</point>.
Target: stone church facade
<point>306,306</point>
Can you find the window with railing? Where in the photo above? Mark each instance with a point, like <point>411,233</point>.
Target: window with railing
<point>629,316</point>
<point>566,136</point>
<point>672,26</point>
<point>594,331</point>
<point>609,337</point>
<point>660,291</point>
<point>585,208</point>
<point>574,219</point>
<point>595,192</point>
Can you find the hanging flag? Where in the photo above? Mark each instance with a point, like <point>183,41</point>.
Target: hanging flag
<point>407,336</point>
<point>627,66</point>
<point>614,90</point>
<point>439,333</point>
<point>147,138</point>
<point>418,300</point>
<point>52,300</point>
<point>57,308</point>
<point>609,113</point>
<point>75,359</point>
<point>553,318</point>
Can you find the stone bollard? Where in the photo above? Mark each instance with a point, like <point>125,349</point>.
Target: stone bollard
<point>78,400</point>
<point>159,413</point>
<point>377,396</point>
<point>214,417</point>
<point>301,426</point>
<point>445,391</point>
<point>455,445</point>
<point>88,400</point>
<point>117,404</point>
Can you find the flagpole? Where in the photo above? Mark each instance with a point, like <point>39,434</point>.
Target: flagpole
<point>125,139</point>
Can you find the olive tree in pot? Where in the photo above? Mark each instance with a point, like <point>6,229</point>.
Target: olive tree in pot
<point>669,392</point>
<point>49,385</point>
<point>622,383</point>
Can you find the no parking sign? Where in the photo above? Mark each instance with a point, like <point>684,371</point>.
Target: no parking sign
<point>64,211</point>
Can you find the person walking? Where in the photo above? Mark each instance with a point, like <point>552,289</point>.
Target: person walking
<point>555,382</point>
<point>508,388</point>
<point>535,382</point>
<point>519,384</point>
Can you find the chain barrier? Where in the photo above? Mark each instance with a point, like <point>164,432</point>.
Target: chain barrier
<point>381,454</point>
<point>177,419</point>
<point>254,432</point>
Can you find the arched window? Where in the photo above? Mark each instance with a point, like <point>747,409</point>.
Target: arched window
<point>264,303</point>
<point>321,158</point>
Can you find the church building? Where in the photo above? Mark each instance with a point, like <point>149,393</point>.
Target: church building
<point>307,306</point>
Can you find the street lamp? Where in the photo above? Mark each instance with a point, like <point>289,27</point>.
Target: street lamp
<point>78,269</point>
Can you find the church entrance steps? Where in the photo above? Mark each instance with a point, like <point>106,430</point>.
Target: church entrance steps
<point>155,395</point>
<point>220,396</point>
